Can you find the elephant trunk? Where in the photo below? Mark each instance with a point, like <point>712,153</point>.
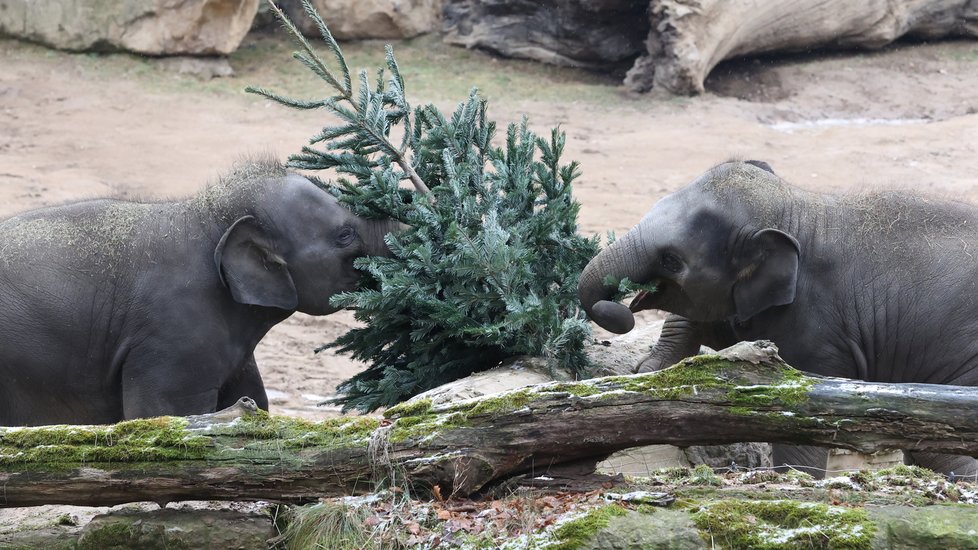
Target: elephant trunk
<point>624,258</point>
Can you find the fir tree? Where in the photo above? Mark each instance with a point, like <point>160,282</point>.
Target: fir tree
<point>488,264</point>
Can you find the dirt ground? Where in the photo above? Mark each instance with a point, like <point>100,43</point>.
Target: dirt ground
<point>76,126</point>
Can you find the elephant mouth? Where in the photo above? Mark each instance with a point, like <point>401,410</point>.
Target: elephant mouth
<point>646,298</point>
<point>667,295</point>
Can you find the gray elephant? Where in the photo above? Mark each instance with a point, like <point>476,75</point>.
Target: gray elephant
<point>877,287</point>
<point>112,310</point>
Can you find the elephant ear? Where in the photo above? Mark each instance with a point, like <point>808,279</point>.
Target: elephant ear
<point>251,269</point>
<point>768,273</point>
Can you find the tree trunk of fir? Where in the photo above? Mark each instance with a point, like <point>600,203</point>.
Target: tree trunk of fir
<point>745,393</point>
<point>687,39</point>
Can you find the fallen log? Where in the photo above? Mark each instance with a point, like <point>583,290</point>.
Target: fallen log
<point>745,393</point>
<point>687,39</point>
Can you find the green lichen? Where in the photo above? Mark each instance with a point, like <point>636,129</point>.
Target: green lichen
<point>769,524</point>
<point>576,532</point>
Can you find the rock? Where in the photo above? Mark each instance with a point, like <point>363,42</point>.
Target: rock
<point>665,529</point>
<point>189,529</point>
<point>908,528</point>
<point>604,35</point>
<point>743,455</point>
<point>360,19</point>
<point>152,27</point>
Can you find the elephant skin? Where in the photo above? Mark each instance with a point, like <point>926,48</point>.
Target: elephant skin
<point>112,310</point>
<point>878,287</point>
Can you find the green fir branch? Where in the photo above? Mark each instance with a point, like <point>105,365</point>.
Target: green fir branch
<point>488,264</point>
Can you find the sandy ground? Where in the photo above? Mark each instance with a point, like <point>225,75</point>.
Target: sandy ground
<point>904,117</point>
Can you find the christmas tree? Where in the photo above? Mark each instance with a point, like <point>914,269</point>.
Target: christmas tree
<point>488,263</point>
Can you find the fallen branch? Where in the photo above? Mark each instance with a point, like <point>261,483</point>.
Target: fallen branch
<point>746,393</point>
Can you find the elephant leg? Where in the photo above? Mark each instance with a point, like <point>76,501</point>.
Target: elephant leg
<point>681,338</point>
<point>965,466</point>
<point>806,458</point>
<point>247,383</point>
<point>163,379</point>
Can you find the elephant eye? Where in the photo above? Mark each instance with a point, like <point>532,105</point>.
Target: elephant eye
<point>346,236</point>
<point>671,263</point>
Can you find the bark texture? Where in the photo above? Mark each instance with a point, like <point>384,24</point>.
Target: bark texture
<point>688,38</point>
<point>745,393</point>
<point>600,35</point>
<point>685,39</point>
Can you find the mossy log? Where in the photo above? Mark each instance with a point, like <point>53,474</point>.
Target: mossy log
<point>745,393</point>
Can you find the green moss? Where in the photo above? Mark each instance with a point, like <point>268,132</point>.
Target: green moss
<point>575,533</point>
<point>427,425</point>
<point>704,475</point>
<point>113,534</point>
<point>409,408</point>
<point>647,509</point>
<point>713,372</point>
<point>167,438</point>
<point>297,433</point>
<point>760,524</point>
<point>578,389</point>
<point>144,440</point>
<point>506,402</point>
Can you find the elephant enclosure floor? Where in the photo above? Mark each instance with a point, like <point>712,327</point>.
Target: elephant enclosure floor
<point>80,125</point>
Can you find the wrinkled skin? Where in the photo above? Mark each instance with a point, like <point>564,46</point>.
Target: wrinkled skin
<point>114,310</point>
<point>878,287</point>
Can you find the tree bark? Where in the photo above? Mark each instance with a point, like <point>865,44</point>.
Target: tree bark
<point>745,393</point>
<point>687,39</point>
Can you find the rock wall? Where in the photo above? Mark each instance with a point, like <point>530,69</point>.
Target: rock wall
<point>153,27</point>
<point>361,19</point>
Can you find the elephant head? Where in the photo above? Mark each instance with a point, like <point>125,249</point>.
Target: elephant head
<point>294,245</point>
<point>715,250</point>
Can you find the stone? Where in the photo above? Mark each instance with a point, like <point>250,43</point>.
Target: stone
<point>664,529</point>
<point>363,19</point>
<point>151,27</point>
<point>949,526</point>
<point>604,35</point>
<point>844,459</point>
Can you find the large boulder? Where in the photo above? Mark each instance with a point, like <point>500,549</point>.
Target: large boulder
<point>602,35</point>
<point>152,27</point>
<point>360,19</point>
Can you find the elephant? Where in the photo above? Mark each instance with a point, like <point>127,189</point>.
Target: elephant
<point>879,286</point>
<point>113,310</point>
